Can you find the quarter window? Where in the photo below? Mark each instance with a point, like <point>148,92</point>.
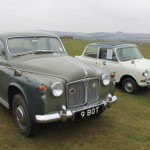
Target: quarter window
<point>91,52</point>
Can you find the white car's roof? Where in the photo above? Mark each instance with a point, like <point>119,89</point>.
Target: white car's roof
<point>111,45</point>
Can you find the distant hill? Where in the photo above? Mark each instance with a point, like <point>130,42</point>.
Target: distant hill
<point>118,36</point>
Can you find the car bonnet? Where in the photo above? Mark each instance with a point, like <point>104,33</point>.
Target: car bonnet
<point>65,67</point>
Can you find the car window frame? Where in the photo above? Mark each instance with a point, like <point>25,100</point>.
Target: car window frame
<point>106,59</point>
<point>125,55</point>
<point>97,54</point>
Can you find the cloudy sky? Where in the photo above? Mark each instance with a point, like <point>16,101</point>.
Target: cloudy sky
<point>130,16</point>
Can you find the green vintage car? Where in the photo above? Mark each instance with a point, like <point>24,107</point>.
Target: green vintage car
<point>40,83</point>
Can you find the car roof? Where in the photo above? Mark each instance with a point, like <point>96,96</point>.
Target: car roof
<point>26,34</point>
<point>111,45</point>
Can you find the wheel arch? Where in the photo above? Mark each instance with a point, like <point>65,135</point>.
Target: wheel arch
<point>127,76</point>
<point>14,89</point>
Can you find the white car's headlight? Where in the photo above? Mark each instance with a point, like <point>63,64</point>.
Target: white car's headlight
<point>57,89</point>
<point>145,74</point>
<point>105,79</point>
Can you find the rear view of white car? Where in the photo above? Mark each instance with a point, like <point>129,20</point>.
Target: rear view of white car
<point>131,68</point>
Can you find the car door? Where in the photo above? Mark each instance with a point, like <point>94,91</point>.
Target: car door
<point>108,61</point>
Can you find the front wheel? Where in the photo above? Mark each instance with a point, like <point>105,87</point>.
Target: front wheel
<point>21,115</point>
<point>129,85</point>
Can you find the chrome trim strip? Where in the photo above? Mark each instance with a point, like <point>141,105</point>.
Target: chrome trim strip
<point>83,80</point>
<point>79,65</point>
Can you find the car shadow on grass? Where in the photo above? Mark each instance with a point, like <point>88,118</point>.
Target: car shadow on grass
<point>59,130</point>
<point>77,128</point>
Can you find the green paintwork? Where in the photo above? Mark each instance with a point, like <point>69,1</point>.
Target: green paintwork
<point>56,66</point>
<point>46,68</point>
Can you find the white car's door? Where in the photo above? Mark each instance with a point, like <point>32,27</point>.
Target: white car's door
<point>108,61</point>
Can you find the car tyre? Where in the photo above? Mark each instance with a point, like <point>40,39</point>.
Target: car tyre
<point>21,116</point>
<point>129,85</point>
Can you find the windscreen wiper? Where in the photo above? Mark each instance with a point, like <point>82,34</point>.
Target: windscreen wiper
<point>42,51</point>
<point>21,54</point>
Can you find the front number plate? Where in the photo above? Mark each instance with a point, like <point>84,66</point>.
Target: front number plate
<point>89,112</point>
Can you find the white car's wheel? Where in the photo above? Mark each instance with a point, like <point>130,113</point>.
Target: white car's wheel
<point>129,85</point>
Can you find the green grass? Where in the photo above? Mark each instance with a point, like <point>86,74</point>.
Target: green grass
<point>145,50</point>
<point>125,126</point>
<point>75,47</point>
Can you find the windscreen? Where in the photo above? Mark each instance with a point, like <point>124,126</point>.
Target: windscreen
<point>31,44</point>
<point>128,53</point>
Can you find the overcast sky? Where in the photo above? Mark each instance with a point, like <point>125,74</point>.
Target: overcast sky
<point>130,16</point>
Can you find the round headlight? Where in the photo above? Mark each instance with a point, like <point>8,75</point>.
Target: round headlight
<point>105,79</point>
<point>145,74</point>
<point>57,89</point>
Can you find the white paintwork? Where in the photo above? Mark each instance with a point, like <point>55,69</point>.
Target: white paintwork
<point>134,68</point>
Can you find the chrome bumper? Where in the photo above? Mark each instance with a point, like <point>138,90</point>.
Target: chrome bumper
<point>110,100</point>
<point>65,114</point>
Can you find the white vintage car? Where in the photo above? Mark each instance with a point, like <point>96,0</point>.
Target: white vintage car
<point>125,60</point>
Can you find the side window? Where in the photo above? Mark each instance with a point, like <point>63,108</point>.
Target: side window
<point>107,54</point>
<point>103,53</point>
<point>91,52</point>
<point>2,55</point>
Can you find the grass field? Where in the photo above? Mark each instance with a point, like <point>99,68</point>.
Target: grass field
<point>125,126</point>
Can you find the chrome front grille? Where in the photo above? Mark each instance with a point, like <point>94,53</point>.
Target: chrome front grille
<point>82,91</point>
<point>93,90</point>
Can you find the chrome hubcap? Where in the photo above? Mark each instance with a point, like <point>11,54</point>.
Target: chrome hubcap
<point>129,87</point>
<point>20,117</point>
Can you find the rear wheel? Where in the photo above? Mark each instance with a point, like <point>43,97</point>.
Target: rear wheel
<point>129,85</point>
<point>21,116</point>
